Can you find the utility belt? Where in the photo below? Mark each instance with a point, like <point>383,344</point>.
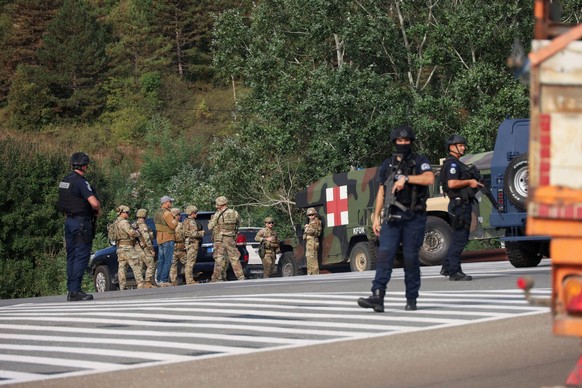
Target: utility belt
<point>80,215</point>
<point>126,243</point>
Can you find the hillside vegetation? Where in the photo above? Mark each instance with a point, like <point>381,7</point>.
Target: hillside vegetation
<point>249,99</point>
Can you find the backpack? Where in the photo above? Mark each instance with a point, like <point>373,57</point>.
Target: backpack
<point>112,232</point>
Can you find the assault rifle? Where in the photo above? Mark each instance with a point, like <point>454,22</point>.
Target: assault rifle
<point>475,174</point>
<point>390,197</point>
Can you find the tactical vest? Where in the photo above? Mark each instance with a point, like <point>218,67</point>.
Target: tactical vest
<point>467,194</point>
<point>73,203</point>
<point>412,196</point>
<point>160,222</point>
<point>228,222</point>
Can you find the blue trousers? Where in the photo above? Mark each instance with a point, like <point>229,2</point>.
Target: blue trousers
<point>165,257</point>
<point>411,234</point>
<point>78,241</point>
<point>460,238</point>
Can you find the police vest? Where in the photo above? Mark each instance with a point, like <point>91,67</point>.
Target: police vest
<point>71,201</point>
<point>467,194</point>
<point>411,196</point>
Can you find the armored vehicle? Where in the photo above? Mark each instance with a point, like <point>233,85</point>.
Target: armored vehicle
<point>510,179</point>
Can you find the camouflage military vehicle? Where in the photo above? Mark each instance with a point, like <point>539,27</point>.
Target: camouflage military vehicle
<point>345,204</point>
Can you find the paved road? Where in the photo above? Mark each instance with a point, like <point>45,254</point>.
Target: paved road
<point>185,334</point>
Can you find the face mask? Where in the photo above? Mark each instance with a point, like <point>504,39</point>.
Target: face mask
<point>404,149</point>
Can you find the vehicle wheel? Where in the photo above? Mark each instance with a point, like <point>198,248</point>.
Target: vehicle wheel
<point>515,181</point>
<point>361,257</point>
<point>287,266</point>
<point>524,253</point>
<point>438,237</point>
<point>102,279</point>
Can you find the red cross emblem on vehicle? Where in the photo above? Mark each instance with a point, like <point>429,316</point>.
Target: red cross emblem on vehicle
<point>337,205</point>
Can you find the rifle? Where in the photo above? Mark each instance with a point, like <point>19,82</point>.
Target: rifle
<point>390,197</point>
<point>475,174</point>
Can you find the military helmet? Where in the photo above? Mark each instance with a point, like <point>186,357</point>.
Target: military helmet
<point>456,139</point>
<point>122,209</point>
<point>311,210</point>
<point>175,211</point>
<point>222,200</point>
<point>141,213</point>
<point>79,159</point>
<point>403,131</point>
<point>269,219</point>
<point>191,209</point>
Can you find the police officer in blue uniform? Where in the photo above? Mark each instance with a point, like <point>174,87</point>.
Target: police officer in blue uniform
<point>402,193</point>
<point>460,187</point>
<point>79,203</point>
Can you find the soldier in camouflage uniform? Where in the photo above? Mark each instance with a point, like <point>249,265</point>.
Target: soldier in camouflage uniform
<point>179,248</point>
<point>126,251</point>
<point>268,238</point>
<point>224,225</point>
<point>193,233</point>
<point>147,247</point>
<point>311,235</point>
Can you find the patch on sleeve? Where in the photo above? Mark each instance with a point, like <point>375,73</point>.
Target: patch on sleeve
<point>425,167</point>
<point>89,187</point>
<point>453,170</point>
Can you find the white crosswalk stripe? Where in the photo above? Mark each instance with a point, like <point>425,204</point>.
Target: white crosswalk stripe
<point>50,340</point>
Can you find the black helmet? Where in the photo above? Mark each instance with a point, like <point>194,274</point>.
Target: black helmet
<point>456,139</point>
<point>79,159</point>
<point>402,131</point>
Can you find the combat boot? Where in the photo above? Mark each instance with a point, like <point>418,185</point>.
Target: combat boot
<point>149,285</point>
<point>76,296</point>
<point>141,285</point>
<point>410,305</point>
<point>376,301</point>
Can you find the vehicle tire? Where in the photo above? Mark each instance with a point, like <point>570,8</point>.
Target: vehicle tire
<point>515,181</point>
<point>438,237</point>
<point>102,280</point>
<point>524,253</point>
<point>361,257</point>
<point>287,265</point>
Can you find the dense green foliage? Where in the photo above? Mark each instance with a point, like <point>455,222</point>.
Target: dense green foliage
<point>249,99</point>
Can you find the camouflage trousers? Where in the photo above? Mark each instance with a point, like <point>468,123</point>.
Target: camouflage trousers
<point>191,255</point>
<point>148,260</point>
<point>127,255</point>
<point>226,247</point>
<point>311,248</point>
<point>269,263</point>
<point>179,255</point>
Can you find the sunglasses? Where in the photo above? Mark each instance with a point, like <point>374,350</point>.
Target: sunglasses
<point>269,223</point>
<point>312,215</point>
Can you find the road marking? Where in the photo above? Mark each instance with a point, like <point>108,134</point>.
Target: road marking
<point>51,340</point>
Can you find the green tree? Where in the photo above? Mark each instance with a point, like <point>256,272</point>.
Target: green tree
<point>73,54</point>
<point>328,79</point>
<point>22,25</point>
